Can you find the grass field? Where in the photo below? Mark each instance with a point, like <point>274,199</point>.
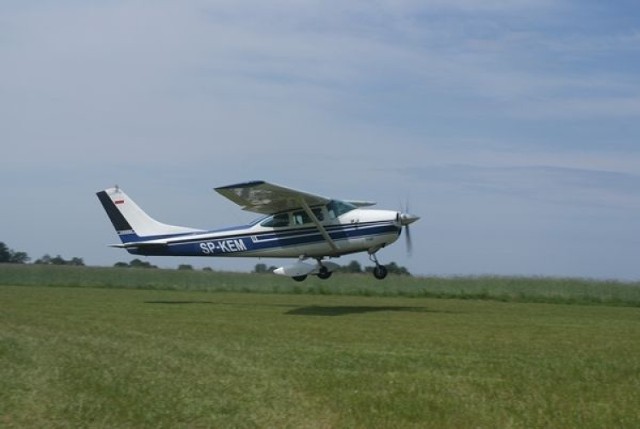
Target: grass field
<point>505,289</point>
<point>105,357</point>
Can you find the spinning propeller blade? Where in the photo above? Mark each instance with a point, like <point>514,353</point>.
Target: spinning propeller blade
<point>408,241</point>
<point>407,219</point>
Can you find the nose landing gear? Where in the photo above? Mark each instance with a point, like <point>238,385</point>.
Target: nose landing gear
<point>380,271</point>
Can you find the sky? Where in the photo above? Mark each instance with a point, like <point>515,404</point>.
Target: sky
<point>511,127</point>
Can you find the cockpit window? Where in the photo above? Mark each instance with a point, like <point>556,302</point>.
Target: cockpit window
<point>338,208</point>
<point>300,218</point>
<point>318,214</point>
<point>276,221</point>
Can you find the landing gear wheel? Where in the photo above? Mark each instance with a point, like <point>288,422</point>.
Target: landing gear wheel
<point>324,273</point>
<point>299,278</point>
<point>380,272</point>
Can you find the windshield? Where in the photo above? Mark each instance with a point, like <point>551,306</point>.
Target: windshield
<point>338,208</point>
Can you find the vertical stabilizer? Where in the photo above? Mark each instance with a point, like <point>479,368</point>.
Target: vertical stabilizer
<point>130,221</point>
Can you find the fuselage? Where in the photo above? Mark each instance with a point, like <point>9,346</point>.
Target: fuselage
<point>289,234</point>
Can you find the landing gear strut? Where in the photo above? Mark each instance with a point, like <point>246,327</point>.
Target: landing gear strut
<point>380,271</point>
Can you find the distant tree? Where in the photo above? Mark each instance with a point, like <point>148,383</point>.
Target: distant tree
<point>44,260</point>
<point>78,262</point>
<point>207,269</point>
<point>9,256</point>
<point>137,263</point>
<point>19,258</point>
<point>185,267</point>
<point>58,260</point>
<point>5,253</point>
<point>352,267</point>
<point>396,269</point>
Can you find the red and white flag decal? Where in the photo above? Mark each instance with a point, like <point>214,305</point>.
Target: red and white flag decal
<point>119,201</point>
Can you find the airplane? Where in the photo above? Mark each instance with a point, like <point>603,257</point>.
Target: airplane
<point>294,224</point>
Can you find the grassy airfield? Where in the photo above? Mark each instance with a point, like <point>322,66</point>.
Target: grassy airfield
<point>84,354</point>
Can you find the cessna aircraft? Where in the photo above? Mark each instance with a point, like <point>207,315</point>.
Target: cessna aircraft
<point>295,224</point>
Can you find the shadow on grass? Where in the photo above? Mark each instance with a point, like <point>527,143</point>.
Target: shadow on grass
<point>315,310</point>
<point>312,310</point>
<point>178,302</point>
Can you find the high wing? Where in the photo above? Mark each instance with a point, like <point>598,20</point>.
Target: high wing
<point>267,198</point>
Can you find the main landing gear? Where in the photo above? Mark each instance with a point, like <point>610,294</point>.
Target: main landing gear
<point>300,271</point>
<point>380,271</point>
<point>323,272</point>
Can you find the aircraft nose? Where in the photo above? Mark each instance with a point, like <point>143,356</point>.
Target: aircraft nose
<point>407,218</point>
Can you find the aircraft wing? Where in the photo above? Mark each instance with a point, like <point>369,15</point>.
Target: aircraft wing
<point>267,198</point>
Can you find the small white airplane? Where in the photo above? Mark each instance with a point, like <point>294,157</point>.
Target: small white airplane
<point>296,225</point>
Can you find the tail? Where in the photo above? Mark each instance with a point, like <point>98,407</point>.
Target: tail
<point>131,222</point>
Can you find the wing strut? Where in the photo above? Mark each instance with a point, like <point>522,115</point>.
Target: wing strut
<point>315,220</point>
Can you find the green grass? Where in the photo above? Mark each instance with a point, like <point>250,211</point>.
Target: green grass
<point>506,289</point>
<point>87,357</point>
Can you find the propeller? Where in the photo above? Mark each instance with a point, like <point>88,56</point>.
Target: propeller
<point>405,218</point>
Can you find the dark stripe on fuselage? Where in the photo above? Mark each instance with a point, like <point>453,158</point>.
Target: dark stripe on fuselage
<point>119,222</point>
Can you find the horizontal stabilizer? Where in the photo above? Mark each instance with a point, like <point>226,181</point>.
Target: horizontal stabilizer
<point>144,244</point>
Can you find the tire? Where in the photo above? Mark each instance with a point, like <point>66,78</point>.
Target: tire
<point>324,273</point>
<point>380,272</point>
<point>299,278</point>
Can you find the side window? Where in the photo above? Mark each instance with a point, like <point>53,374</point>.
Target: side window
<point>281,220</point>
<point>300,218</point>
<point>276,221</point>
<point>318,214</point>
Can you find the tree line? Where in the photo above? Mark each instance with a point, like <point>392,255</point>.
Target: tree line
<point>10,256</point>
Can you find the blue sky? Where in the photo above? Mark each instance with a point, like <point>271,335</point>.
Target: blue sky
<point>511,126</point>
